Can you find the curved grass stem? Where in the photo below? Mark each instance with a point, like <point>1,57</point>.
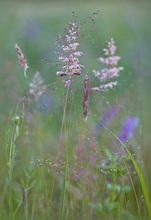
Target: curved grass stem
<point>139,174</point>
<point>59,142</point>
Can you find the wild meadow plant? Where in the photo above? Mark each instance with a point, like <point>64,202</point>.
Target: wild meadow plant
<point>83,179</point>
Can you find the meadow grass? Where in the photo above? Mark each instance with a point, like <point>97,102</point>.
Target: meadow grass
<point>54,163</point>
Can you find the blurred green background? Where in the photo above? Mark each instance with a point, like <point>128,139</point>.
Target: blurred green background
<point>34,25</point>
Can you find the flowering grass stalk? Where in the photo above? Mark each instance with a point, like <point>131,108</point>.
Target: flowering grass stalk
<point>68,54</point>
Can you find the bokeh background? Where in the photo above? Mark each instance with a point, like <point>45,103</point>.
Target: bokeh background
<point>34,25</point>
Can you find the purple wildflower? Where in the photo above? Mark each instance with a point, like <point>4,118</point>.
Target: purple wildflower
<point>127,130</point>
<point>108,115</point>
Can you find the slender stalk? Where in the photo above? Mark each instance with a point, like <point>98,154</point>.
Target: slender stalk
<point>59,142</point>
<point>25,203</point>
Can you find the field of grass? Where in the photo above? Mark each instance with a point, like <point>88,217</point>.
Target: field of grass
<point>53,164</point>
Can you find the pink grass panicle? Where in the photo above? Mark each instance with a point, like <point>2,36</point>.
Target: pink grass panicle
<point>21,59</point>
<point>110,72</point>
<point>68,54</point>
<point>36,89</point>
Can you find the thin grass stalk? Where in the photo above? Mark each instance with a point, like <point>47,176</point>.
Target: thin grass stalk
<point>67,154</point>
<point>64,181</point>
<point>43,181</point>
<point>59,142</point>
<point>25,203</point>
<point>61,216</point>
<point>18,207</point>
<point>66,176</point>
<point>33,209</point>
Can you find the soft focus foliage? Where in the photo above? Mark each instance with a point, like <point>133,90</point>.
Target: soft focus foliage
<point>92,176</point>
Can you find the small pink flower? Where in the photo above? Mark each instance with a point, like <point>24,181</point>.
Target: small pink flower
<point>67,83</point>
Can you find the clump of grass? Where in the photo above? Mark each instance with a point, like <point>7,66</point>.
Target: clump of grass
<point>12,135</point>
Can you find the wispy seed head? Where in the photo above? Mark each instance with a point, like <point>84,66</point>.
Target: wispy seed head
<point>21,59</point>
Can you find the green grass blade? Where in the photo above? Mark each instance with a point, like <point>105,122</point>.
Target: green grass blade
<point>141,179</point>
